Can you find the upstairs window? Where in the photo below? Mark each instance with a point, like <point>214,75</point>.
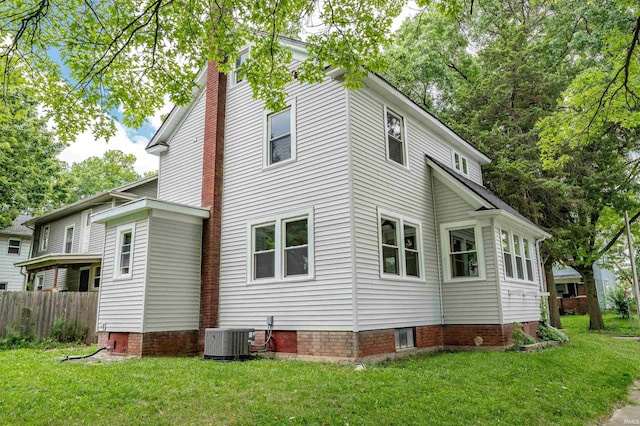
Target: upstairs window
<point>400,246</point>
<point>396,144</point>
<point>282,247</point>
<point>14,246</point>
<point>68,239</point>
<point>124,252</point>
<point>44,238</point>
<point>280,141</point>
<point>460,164</point>
<point>237,68</point>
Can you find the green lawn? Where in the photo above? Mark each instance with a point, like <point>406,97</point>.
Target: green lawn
<point>573,384</point>
<point>614,324</point>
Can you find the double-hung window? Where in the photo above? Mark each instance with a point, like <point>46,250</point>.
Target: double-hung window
<point>68,239</point>
<point>462,249</point>
<point>516,252</point>
<point>237,68</point>
<point>14,246</point>
<point>123,264</point>
<point>97,270</point>
<point>506,254</point>
<point>396,135</point>
<point>280,139</point>
<point>460,164</point>
<point>281,247</point>
<point>400,246</point>
<point>44,238</point>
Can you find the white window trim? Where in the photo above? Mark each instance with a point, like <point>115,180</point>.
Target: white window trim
<point>265,138</point>
<point>19,240</point>
<point>93,278</point>
<point>280,221</point>
<point>401,219</point>
<point>39,276</point>
<point>446,258</point>
<point>233,75</point>
<point>44,243</point>
<point>527,279</point>
<point>462,159</point>
<point>116,263</point>
<point>405,140</point>
<point>64,241</point>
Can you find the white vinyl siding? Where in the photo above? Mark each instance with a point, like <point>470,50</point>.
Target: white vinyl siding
<point>172,299</point>
<point>318,180</point>
<point>385,302</point>
<point>121,301</point>
<point>468,301</point>
<point>9,273</point>
<point>520,299</point>
<point>180,177</point>
<point>148,190</point>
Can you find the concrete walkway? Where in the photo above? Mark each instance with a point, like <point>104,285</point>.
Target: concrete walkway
<point>629,414</point>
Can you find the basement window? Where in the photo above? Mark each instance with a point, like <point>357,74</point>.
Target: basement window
<point>3,286</point>
<point>405,338</point>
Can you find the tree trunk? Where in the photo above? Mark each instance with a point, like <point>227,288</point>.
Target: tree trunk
<point>554,312</point>
<point>593,307</point>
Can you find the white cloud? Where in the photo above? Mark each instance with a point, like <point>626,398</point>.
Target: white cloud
<point>86,146</point>
<point>156,120</point>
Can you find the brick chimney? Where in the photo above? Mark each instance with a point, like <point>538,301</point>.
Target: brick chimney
<point>212,161</point>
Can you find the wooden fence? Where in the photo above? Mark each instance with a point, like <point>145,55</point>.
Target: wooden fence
<point>35,311</point>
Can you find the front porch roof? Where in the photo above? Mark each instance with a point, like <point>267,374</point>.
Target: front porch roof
<point>488,204</point>
<point>59,260</point>
<point>145,204</point>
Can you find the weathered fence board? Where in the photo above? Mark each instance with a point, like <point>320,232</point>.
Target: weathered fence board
<point>43,307</point>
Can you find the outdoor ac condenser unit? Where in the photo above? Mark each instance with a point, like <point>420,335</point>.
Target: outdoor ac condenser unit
<point>227,344</point>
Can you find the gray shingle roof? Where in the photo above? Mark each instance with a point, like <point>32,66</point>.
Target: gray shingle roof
<point>17,228</point>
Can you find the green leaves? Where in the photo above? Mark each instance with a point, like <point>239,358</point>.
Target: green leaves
<point>83,60</point>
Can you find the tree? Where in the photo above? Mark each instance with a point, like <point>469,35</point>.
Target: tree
<point>87,57</point>
<point>95,175</point>
<point>498,75</point>
<point>28,164</point>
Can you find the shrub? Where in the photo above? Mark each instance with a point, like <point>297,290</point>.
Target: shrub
<point>548,332</point>
<point>72,333</point>
<point>621,300</point>
<point>520,338</point>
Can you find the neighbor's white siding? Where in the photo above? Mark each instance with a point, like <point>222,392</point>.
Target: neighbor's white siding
<point>518,308</point>
<point>149,189</point>
<point>172,299</point>
<point>9,273</point>
<point>468,302</point>
<point>318,180</point>
<point>378,183</point>
<point>122,300</point>
<point>180,177</point>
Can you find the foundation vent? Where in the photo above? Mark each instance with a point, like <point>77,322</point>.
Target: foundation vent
<point>227,344</point>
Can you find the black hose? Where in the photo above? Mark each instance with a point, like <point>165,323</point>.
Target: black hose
<point>67,358</point>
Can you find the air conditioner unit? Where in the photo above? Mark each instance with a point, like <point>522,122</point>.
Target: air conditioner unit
<point>227,344</point>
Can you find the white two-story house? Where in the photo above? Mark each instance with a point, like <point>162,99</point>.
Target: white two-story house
<point>15,243</point>
<point>66,254</point>
<point>350,224</point>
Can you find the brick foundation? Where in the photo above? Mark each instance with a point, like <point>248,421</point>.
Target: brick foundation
<point>163,343</point>
<point>481,335</point>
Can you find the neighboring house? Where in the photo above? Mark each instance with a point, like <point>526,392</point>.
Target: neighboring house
<point>355,223</point>
<point>15,243</point>
<point>67,249</point>
<point>571,293</point>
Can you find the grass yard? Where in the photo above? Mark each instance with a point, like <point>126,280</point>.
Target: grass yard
<point>573,384</point>
<point>613,323</point>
